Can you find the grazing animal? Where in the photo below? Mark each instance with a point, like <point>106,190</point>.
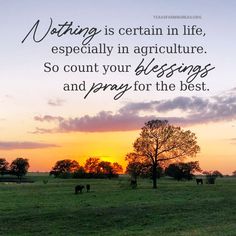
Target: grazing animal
<point>199,181</point>
<point>88,187</point>
<point>78,188</point>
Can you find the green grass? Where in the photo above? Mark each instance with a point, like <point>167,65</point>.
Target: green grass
<point>113,208</point>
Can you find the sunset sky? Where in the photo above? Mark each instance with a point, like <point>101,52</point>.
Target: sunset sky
<point>43,123</point>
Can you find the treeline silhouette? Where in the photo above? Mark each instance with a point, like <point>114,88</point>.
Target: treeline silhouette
<point>93,168</point>
<point>18,167</point>
<point>178,171</point>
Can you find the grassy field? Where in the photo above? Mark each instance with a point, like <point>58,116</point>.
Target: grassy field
<point>113,208</point>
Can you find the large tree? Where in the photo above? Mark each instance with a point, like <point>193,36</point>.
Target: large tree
<point>19,167</point>
<point>161,142</point>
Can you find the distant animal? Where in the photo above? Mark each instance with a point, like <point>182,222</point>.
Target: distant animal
<point>78,189</point>
<point>199,181</point>
<point>88,187</point>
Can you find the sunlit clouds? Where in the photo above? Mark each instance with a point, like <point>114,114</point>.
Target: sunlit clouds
<point>186,111</point>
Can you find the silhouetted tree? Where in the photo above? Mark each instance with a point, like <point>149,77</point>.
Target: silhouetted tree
<point>94,168</point>
<point>160,172</point>
<point>137,165</point>
<point>161,142</point>
<point>105,168</point>
<point>183,170</point>
<point>117,168</point>
<point>3,166</point>
<point>173,170</point>
<point>217,173</point>
<point>79,173</point>
<point>234,173</point>
<point>91,165</point>
<point>141,167</point>
<point>108,169</point>
<point>19,167</point>
<point>64,168</point>
<point>134,169</point>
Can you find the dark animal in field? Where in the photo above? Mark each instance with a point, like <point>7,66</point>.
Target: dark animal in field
<point>78,189</point>
<point>199,181</point>
<point>133,183</point>
<point>88,187</point>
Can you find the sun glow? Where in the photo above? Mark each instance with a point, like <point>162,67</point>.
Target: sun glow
<point>113,146</point>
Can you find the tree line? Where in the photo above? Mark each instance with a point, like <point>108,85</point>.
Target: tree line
<point>93,168</point>
<point>161,148</point>
<point>178,171</point>
<point>18,167</point>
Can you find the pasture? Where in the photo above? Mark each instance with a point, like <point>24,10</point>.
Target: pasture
<point>113,208</point>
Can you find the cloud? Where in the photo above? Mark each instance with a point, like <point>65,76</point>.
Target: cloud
<point>42,131</point>
<point>192,111</point>
<point>56,102</point>
<point>24,145</point>
<point>48,118</point>
<point>102,122</point>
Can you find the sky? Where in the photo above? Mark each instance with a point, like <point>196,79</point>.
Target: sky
<point>42,122</point>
